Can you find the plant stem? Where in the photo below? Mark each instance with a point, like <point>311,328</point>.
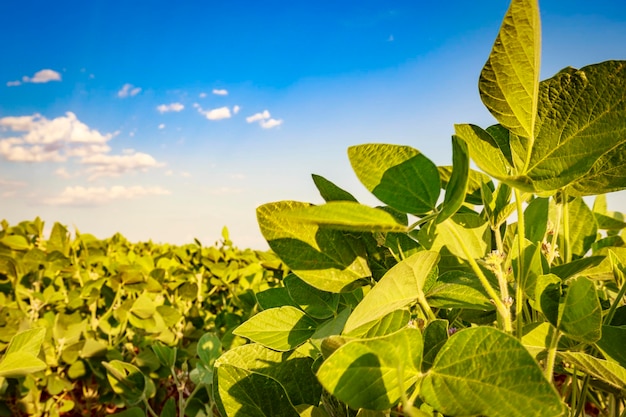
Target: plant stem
<point>503,311</point>
<point>551,358</point>
<point>519,287</point>
<point>567,253</point>
<point>618,274</point>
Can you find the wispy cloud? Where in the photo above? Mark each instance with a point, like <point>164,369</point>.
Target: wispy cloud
<point>37,139</point>
<point>40,77</point>
<point>236,109</point>
<point>220,92</point>
<point>202,95</point>
<point>216,114</point>
<point>128,90</point>
<point>90,196</point>
<point>172,107</point>
<point>258,116</point>
<point>161,126</point>
<point>265,120</point>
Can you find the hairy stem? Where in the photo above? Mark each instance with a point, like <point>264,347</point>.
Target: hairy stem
<point>551,358</point>
<point>519,287</point>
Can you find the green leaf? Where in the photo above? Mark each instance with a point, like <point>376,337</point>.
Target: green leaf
<point>483,371</point>
<point>578,108</point>
<point>508,83</point>
<point>347,215</point>
<point>609,372</point>
<point>607,220</point>
<point>316,303</point>
<point>18,364</point>
<point>580,313</point>
<point>368,373</point>
<point>389,323</point>
<point>126,380</point>
<point>165,354</point>
<point>27,341</point>
<point>459,232</point>
<point>399,287</point>
<point>474,184</point>
<point>548,297</point>
<point>457,186</point>
<point>570,269</point>
<point>15,242</point>
<point>274,297</point>
<point>282,328</point>
<point>490,155</point>
<point>329,191</point>
<point>247,393</point>
<point>400,176</point>
<point>435,336</point>
<point>329,260</point>
<point>292,371</point>
<point>209,349</point>
<point>612,344</point>
<point>458,289</point>
<point>143,307</point>
<point>536,219</point>
<point>582,227</point>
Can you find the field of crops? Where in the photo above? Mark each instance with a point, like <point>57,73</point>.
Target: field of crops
<point>101,308</point>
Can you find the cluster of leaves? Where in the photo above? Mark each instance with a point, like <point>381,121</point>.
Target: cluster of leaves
<point>502,296</point>
<point>92,327</point>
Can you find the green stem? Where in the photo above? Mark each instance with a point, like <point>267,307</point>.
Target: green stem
<point>555,234</point>
<point>519,287</point>
<point>567,253</point>
<point>421,299</point>
<point>423,220</point>
<point>618,274</point>
<point>580,406</point>
<point>503,311</point>
<point>551,358</point>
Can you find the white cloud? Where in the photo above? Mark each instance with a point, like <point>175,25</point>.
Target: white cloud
<point>265,120</point>
<point>216,114</point>
<point>103,165</point>
<point>236,109</point>
<point>13,83</point>
<point>202,95</point>
<point>39,139</point>
<point>175,107</point>
<point>258,116</point>
<point>220,92</point>
<point>270,123</point>
<point>88,196</point>
<point>128,90</point>
<point>43,76</point>
<point>162,126</point>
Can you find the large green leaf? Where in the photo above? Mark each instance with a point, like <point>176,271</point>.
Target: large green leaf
<point>491,155</point>
<point>282,328</point>
<point>245,393</point>
<point>327,259</point>
<point>316,303</point>
<point>347,215</point>
<point>399,287</point>
<point>483,371</point>
<point>609,372</point>
<point>457,185</point>
<point>293,371</point>
<point>580,313</point>
<point>463,235</point>
<point>509,81</point>
<point>458,289</point>
<point>370,373</point>
<point>580,131</point>
<point>400,176</point>
<point>612,344</point>
<point>18,364</point>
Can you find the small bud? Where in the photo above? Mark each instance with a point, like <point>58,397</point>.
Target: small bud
<point>452,330</point>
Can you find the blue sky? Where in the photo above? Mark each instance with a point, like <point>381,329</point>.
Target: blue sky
<point>169,120</point>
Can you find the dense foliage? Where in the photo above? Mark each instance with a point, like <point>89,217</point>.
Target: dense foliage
<point>96,326</point>
<point>503,296</point>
